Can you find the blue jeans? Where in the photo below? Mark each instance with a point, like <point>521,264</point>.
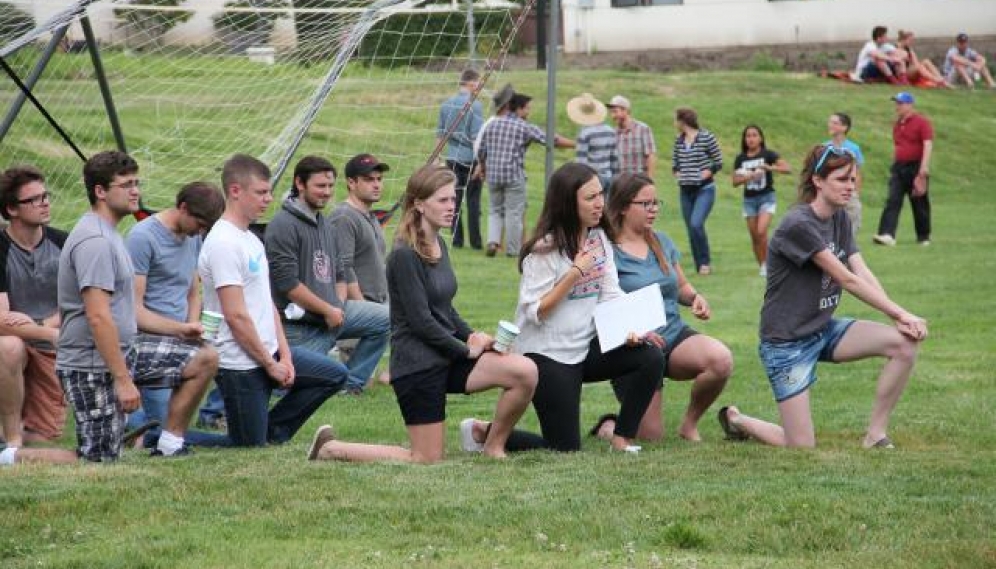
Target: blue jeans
<point>213,407</point>
<point>251,422</point>
<point>367,321</point>
<point>696,203</point>
<point>155,406</point>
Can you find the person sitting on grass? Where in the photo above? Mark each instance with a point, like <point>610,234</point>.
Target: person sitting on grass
<point>962,63</point>
<point>644,257</point>
<point>433,351</point>
<point>812,256</point>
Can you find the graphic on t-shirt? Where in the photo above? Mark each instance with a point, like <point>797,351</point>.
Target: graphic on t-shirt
<point>830,297</point>
<point>750,165</point>
<point>591,283</point>
<point>322,266</point>
<point>256,264</point>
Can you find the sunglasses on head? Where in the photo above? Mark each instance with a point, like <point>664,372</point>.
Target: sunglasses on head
<point>827,151</point>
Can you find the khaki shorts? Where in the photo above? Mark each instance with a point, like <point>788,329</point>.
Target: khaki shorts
<point>44,409</point>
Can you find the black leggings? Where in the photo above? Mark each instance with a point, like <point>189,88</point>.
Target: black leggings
<point>637,371</point>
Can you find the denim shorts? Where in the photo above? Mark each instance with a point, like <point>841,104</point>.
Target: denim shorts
<point>761,203</point>
<point>791,366</point>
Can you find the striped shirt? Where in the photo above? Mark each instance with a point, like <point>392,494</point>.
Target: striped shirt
<point>689,160</point>
<point>503,148</point>
<point>596,147</point>
<point>635,143</point>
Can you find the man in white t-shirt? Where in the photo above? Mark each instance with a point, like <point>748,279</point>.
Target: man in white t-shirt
<point>254,356</point>
<point>879,60</point>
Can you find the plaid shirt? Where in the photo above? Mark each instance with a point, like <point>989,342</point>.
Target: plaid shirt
<point>503,148</point>
<point>635,143</point>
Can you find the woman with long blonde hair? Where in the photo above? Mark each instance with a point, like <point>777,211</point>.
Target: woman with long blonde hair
<point>433,351</point>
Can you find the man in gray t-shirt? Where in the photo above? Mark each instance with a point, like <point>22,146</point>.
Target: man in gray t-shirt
<point>96,302</point>
<point>359,239</point>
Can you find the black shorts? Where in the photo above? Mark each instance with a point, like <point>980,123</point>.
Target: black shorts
<point>422,395</point>
<point>685,334</point>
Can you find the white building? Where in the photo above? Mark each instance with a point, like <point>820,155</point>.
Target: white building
<point>636,25</point>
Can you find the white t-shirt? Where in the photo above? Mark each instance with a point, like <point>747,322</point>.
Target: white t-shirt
<point>865,56</point>
<point>234,257</point>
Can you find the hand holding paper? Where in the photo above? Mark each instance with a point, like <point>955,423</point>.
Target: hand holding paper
<point>638,312</point>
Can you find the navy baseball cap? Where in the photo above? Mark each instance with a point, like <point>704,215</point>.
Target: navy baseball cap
<point>903,97</point>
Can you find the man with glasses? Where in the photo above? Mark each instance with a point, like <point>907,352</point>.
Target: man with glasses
<point>359,239</point>
<point>97,304</point>
<point>32,403</point>
<point>170,364</point>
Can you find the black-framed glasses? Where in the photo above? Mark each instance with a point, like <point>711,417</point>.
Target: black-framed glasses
<point>35,200</point>
<point>129,185</point>
<point>648,204</point>
<point>827,151</point>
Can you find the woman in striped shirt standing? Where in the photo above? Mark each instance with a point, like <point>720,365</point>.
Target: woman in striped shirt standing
<point>696,159</point>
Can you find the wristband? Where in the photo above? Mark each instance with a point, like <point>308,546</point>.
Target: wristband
<point>579,269</point>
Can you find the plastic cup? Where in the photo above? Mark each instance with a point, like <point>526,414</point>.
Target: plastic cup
<point>210,322</point>
<point>505,336</point>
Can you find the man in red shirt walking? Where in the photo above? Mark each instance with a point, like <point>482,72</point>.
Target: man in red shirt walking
<point>913,138</point>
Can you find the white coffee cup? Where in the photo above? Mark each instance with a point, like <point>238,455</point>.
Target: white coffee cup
<point>210,322</point>
<point>505,336</point>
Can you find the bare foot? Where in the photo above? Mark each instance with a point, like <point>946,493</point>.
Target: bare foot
<point>479,431</point>
<point>607,430</point>
<point>494,453</point>
<point>689,432</point>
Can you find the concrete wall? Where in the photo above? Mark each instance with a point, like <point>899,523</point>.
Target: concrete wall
<point>729,23</point>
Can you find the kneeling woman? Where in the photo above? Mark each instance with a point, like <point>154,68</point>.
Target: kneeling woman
<point>567,268</point>
<point>644,257</point>
<point>813,256</point>
<point>433,351</point>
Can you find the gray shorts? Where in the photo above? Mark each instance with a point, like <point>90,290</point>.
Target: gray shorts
<point>157,362</point>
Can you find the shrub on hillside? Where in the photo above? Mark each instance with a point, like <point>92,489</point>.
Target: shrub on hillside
<point>14,23</point>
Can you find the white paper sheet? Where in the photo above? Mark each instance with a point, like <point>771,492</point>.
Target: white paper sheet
<point>639,311</point>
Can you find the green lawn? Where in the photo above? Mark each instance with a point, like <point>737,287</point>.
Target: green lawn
<point>930,503</point>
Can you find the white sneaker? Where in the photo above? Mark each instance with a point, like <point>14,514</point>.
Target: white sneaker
<point>884,239</point>
<point>763,271</point>
<point>925,242</point>
<point>467,442</point>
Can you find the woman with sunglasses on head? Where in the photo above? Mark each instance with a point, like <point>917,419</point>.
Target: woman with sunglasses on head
<point>696,159</point>
<point>433,351</point>
<point>754,169</point>
<point>812,257</point>
<point>645,257</point>
<point>567,269</point>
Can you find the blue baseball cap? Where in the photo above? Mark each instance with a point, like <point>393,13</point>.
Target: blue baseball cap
<point>903,97</point>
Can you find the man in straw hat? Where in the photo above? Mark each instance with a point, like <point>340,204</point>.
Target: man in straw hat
<point>596,143</point>
<point>636,147</point>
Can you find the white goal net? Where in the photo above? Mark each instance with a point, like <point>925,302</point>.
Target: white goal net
<point>188,83</point>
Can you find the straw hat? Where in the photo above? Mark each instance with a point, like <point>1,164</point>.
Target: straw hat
<point>586,110</point>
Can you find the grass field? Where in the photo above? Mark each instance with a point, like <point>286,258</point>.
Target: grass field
<point>930,503</point>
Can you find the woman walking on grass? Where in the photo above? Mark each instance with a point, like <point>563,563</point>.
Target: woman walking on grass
<point>433,351</point>
<point>754,169</point>
<point>813,256</point>
<point>696,160</point>
<point>644,257</point>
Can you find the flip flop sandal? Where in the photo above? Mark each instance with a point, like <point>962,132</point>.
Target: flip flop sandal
<point>732,432</point>
<point>601,421</point>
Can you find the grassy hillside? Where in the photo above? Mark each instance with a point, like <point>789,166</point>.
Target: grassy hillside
<point>930,503</point>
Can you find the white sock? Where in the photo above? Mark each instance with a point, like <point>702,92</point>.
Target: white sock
<point>169,443</point>
<point>7,456</point>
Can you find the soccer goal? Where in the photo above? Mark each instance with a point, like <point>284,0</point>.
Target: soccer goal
<point>182,85</point>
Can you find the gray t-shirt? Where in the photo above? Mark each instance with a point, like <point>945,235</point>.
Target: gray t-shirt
<point>94,256</point>
<point>359,242</point>
<point>800,299</point>
<point>29,278</point>
<point>168,264</point>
